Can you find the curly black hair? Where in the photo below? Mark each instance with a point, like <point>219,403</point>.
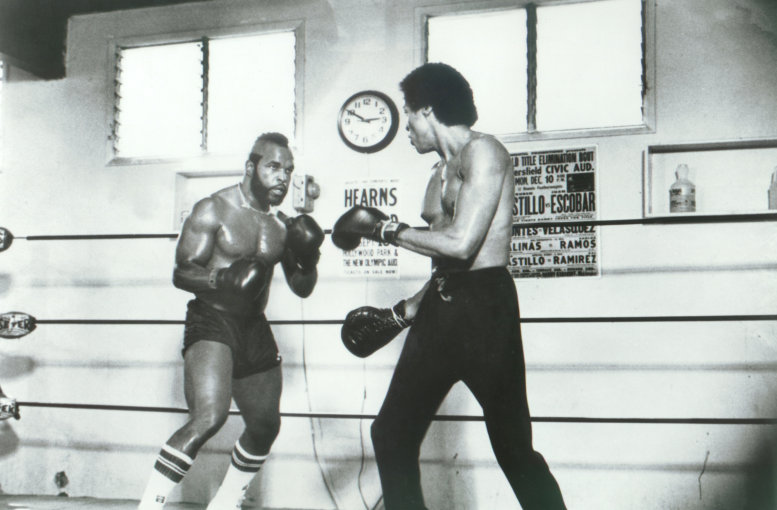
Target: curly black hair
<point>444,89</point>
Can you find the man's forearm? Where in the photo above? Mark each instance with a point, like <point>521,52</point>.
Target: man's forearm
<point>442,243</point>
<point>192,278</point>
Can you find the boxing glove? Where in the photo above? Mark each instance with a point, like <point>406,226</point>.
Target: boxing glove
<point>303,239</point>
<point>246,276</point>
<point>367,222</point>
<point>367,329</point>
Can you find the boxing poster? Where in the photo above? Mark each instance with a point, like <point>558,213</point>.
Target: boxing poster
<point>554,186</point>
<point>371,258</point>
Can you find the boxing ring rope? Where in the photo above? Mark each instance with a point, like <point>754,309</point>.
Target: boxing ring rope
<point>524,320</point>
<point>439,417</point>
<point>673,220</point>
<point>659,220</point>
<point>81,237</point>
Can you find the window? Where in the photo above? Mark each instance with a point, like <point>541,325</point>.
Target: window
<point>498,80</point>
<point>210,96</point>
<point>2,81</point>
<point>545,68</point>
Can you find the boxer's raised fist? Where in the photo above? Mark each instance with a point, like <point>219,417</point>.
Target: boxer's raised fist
<point>367,222</point>
<point>303,239</point>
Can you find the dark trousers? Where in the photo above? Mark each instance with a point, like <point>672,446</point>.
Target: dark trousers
<point>466,329</point>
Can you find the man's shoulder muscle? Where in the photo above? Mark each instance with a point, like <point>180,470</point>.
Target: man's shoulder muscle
<point>484,153</point>
<point>206,213</point>
<point>217,202</point>
<point>485,146</point>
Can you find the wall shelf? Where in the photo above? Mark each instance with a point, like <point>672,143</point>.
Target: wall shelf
<point>731,177</point>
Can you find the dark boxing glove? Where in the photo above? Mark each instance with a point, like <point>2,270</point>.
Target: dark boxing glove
<point>244,276</point>
<point>367,329</point>
<point>367,222</point>
<point>303,239</point>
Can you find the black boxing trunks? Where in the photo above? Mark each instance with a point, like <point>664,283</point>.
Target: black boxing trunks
<point>248,336</point>
<point>467,328</point>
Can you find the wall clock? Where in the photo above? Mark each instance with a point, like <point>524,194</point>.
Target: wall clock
<point>368,121</point>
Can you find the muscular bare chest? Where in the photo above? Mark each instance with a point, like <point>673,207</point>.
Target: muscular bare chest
<point>441,193</point>
<point>247,233</point>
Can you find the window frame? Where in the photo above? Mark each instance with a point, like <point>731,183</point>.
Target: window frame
<point>293,25</point>
<point>422,15</point>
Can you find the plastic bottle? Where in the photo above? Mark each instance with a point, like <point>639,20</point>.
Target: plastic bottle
<point>773,191</point>
<point>682,193</point>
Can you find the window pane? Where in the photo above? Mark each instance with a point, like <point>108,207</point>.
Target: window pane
<point>2,80</point>
<point>589,65</point>
<point>250,90</point>
<point>489,49</point>
<point>160,101</point>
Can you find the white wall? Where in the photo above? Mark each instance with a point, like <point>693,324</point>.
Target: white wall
<point>715,68</point>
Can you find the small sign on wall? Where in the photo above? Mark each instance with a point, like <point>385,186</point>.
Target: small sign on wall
<point>371,258</point>
<point>554,186</point>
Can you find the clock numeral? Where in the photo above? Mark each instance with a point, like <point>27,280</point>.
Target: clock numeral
<point>381,111</point>
<point>367,100</point>
<point>347,120</point>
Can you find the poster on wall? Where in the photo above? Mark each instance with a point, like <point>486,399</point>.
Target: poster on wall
<point>371,258</point>
<point>554,186</point>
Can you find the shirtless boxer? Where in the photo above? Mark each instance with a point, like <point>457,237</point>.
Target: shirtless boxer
<point>225,256</point>
<point>465,323</point>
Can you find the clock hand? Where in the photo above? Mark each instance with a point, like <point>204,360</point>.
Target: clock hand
<point>351,112</point>
<point>371,119</point>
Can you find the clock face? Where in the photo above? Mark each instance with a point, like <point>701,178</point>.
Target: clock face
<point>368,121</point>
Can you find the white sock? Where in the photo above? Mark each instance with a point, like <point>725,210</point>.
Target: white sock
<point>170,467</point>
<point>242,470</point>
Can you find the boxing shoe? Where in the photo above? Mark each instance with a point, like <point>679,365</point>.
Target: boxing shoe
<point>223,503</point>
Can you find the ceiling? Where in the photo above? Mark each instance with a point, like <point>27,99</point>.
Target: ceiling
<point>33,32</point>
